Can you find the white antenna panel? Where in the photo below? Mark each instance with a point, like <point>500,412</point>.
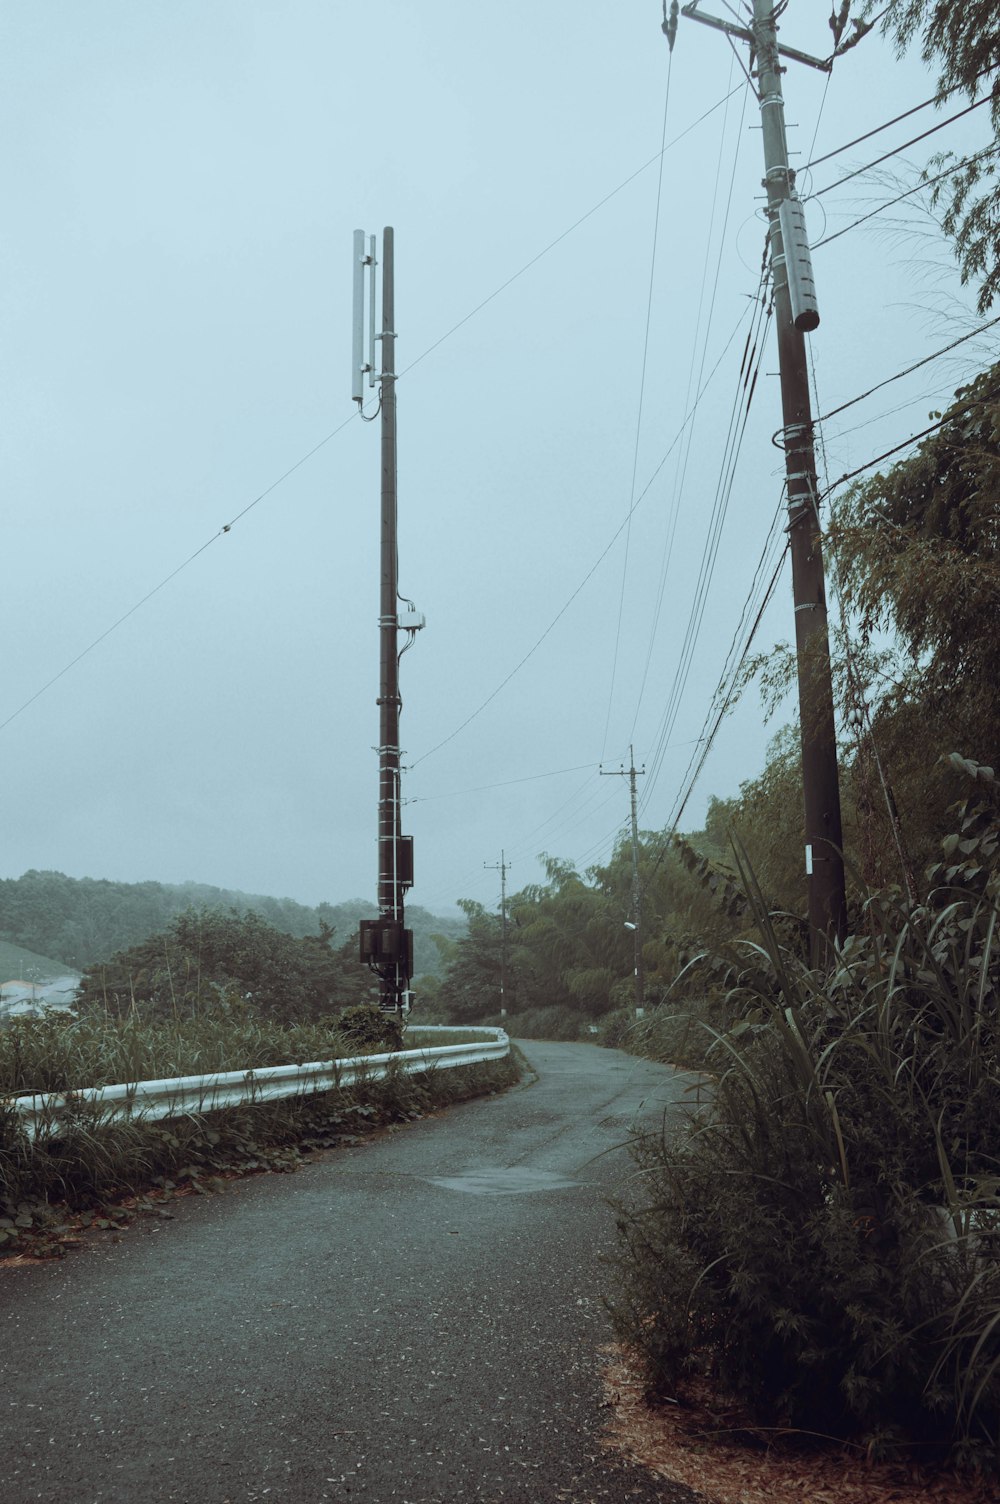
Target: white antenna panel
<point>358,325</point>
<point>371,310</point>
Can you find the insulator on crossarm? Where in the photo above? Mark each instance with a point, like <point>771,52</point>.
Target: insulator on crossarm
<point>669,27</point>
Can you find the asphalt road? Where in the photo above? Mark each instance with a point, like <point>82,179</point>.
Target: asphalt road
<point>415,1320</point>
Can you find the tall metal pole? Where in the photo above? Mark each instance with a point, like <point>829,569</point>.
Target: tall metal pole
<point>390,893</point>
<point>502,868</point>
<point>823,835</point>
<point>636,924</point>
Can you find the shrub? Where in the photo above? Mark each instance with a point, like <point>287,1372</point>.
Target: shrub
<point>823,1242</point>
<point>365,1027</point>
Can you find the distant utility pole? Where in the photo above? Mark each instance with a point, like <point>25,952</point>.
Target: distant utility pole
<point>796,313</point>
<point>386,944</point>
<point>501,867</point>
<point>636,923</point>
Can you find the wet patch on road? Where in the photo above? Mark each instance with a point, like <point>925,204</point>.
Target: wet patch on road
<point>516,1181</point>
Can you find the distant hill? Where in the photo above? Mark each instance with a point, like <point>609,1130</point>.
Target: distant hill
<point>80,921</point>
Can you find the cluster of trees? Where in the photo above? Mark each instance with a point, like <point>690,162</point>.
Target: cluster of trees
<point>80,921</point>
<point>565,953</point>
<point>207,959</point>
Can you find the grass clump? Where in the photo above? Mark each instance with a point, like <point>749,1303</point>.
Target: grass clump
<point>679,1033</point>
<point>822,1243</point>
<point>66,1052</point>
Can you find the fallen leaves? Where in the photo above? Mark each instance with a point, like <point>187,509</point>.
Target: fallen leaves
<point>677,1444</point>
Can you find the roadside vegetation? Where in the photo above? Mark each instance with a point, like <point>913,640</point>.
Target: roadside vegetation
<point>215,992</point>
<point>822,1244</point>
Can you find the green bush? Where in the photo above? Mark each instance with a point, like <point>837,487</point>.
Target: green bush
<point>823,1242</point>
<point>367,1027</point>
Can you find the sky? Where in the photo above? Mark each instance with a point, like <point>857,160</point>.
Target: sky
<point>190,592</point>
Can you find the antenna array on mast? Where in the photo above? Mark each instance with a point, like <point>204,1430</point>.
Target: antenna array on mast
<point>360,366</point>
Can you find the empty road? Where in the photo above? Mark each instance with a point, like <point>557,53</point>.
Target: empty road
<point>412,1321</point>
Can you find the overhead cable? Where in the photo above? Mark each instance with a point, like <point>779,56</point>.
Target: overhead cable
<point>746,386</point>
<point>726,699</point>
<point>693,383</point>
<point>987,151</point>
<point>896,150</point>
<point>914,438</point>
<point>908,370</point>
<point>507,783</point>
<point>934,99</point>
<point>642,387</point>
<point>569,231</point>
<point>225,528</point>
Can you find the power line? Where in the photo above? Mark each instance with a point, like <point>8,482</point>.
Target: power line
<point>718,708</point>
<point>924,183</point>
<point>506,784</point>
<point>559,238</point>
<point>934,99</point>
<point>693,383</point>
<point>896,150</point>
<point>225,528</point>
<point>729,692</point>
<point>739,416</point>
<point>915,438</point>
<point>642,392</point>
<point>572,819</point>
<point>586,579</point>
<point>908,370</point>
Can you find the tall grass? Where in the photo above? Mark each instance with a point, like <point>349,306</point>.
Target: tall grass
<point>823,1242</point>
<point>60,1052</point>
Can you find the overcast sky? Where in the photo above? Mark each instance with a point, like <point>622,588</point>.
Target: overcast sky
<point>180,185</point>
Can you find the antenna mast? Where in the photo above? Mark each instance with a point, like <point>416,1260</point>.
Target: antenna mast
<point>386,943</point>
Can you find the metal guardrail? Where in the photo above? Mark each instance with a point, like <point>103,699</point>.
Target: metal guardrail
<point>195,1094</point>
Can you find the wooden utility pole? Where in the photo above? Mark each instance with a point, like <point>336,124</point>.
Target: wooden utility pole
<point>795,314</point>
<point>636,922</point>
<point>501,867</point>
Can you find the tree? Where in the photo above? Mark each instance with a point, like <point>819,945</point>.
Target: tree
<point>469,990</point>
<point>918,551</point>
<point>963,40</point>
<point>206,953</point>
<point>569,942</point>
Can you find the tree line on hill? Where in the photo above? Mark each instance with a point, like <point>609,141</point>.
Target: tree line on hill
<point>85,921</point>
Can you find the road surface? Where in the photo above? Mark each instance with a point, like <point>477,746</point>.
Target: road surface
<point>412,1321</point>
